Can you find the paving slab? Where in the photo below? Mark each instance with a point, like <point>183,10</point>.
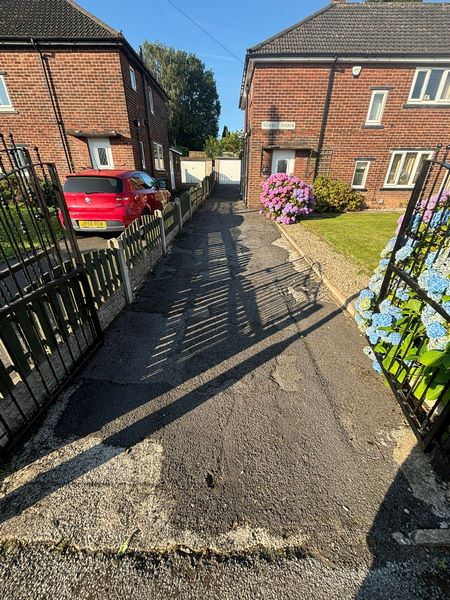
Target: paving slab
<point>229,432</point>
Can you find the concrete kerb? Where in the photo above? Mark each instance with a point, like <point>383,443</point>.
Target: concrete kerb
<point>343,301</point>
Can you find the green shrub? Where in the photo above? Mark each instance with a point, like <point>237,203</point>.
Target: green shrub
<point>333,195</point>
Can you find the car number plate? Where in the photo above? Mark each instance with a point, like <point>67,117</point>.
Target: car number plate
<point>92,224</point>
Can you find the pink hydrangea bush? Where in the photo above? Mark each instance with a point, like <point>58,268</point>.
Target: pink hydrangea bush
<point>286,199</point>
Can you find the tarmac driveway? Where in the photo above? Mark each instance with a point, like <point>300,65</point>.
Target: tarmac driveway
<point>232,438</point>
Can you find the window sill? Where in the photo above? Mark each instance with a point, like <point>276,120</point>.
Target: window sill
<point>426,105</point>
<point>396,189</point>
<point>8,111</point>
<point>359,189</point>
<point>370,126</point>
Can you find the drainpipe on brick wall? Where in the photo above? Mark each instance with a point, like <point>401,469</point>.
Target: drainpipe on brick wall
<point>326,110</point>
<point>55,105</point>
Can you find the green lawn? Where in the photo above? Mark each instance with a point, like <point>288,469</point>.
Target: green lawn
<point>361,236</point>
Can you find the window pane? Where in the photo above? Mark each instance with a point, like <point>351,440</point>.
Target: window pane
<point>282,166</point>
<point>3,95</point>
<point>406,172</point>
<point>93,185</point>
<point>358,176</point>
<point>375,108</point>
<point>418,85</point>
<point>446,89</point>
<point>102,157</point>
<point>433,84</point>
<point>137,183</point>
<point>419,166</point>
<point>149,181</point>
<point>393,174</point>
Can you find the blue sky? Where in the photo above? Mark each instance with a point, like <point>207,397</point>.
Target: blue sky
<point>238,24</point>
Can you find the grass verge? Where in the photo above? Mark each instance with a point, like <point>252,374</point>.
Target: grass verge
<point>360,236</point>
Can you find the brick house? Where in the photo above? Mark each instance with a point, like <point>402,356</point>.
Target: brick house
<point>359,91</point>
<point>74,87</point>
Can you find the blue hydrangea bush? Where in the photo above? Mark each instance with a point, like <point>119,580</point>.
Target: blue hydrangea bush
<point>407,336</point>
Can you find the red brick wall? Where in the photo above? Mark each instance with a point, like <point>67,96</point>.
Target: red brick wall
<point>93,96</point>
<point>156,130</point>
<point>296,92</point>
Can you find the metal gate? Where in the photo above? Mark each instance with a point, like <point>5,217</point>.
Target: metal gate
<point>417,367</point>
<point>48,322</point>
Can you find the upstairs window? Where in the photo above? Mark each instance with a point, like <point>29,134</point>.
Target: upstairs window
<point>158,155</point>
<point>430,86</point>
<point>150,101</point>
<point>376,107</point>
<point>133,78</point>
<point>405,167</point>
<point>5,100</point>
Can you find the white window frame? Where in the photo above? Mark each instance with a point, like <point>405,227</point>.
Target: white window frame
<point>133,78</point>
<point>151,100</point>
<point>410,184</point>
<point>5,107</point>
<point>141,144</point>
<point>366,171</point>
<point>428,71</point>
<point>158,157</point>
<point>383,105</point>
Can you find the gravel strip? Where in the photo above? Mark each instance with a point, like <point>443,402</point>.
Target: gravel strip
<point>337,268</point>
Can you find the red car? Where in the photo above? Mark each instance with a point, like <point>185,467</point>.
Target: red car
<point>108,201</point>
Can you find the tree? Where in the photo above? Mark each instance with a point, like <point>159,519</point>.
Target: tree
<point>194,106</point>
<point>212,147</point>
<point>230,145</point>
<point>233,143</point>
<point>225,132</point>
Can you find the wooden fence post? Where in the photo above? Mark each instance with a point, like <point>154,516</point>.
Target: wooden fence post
<point>190,205</point>
<point>117,246</point>
<point>180,213</point>
<point>160,216</point>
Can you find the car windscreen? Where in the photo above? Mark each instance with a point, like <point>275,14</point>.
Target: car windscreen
<point>93,185</point>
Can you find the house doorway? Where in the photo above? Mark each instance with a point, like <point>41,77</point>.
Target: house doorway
<point>101,154</point>
<point>283,161</point>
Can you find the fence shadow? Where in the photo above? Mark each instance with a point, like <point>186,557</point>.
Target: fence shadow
<point>204,305</point>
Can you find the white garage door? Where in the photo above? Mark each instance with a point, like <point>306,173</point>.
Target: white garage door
<point>193,171</point>
<point>229,170</point>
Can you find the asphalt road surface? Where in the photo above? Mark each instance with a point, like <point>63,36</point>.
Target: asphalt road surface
<point>229,441</point>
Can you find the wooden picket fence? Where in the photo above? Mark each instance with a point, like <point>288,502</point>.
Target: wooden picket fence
<point>120,267</point>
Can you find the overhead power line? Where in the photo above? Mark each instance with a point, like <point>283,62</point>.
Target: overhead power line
<point>205,31</point>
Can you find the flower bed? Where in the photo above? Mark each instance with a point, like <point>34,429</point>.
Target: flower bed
<point>408,330</point>
<point>286,199</point>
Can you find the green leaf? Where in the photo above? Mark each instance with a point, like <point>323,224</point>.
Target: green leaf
<point>433,393</point>
<point>446,361</point>
<point>414,305</point>
<point>431,358</point>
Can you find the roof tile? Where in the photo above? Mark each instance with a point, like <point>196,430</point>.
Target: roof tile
<point>368,28</point>
<point>47,19</point>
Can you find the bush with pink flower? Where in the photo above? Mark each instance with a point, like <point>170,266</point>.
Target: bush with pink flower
<point>286,198</point>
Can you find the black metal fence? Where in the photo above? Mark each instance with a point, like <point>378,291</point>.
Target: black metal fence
<point>416,291</point>
<point>48,322</point>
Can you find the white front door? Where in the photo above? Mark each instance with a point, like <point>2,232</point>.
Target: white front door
<point>283,161</point>
<point>100,151</point>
